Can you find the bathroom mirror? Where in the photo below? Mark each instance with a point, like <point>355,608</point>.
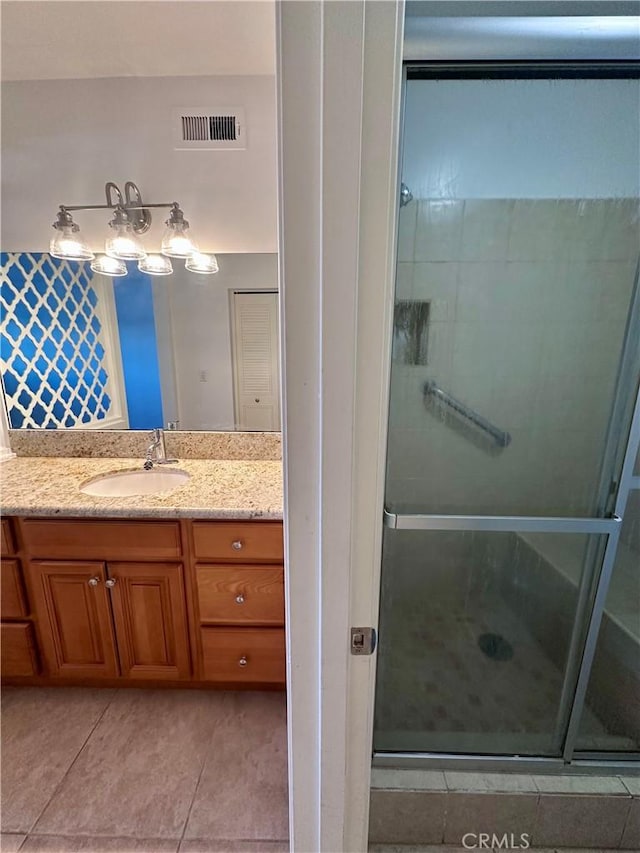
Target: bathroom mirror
<point>97,97</point>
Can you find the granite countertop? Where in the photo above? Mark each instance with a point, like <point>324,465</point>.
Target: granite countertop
<point>218,488</point>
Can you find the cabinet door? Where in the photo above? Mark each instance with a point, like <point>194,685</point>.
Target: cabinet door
<point>17,650</point>
<point>72,607</point>
<point>149,609</point>
<point>13,602</point>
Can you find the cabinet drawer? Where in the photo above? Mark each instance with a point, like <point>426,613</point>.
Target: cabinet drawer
<point>18,650</point>
<point>241,594</point>
<point>251,541</point>
<point>7,542</point>
<point>86,539</point>
<point>243,654</point>
<point>13,602</point>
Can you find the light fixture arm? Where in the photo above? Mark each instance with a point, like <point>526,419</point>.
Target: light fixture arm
<point>140,216</point>
<point>138,212</point>
<point>110,188</point>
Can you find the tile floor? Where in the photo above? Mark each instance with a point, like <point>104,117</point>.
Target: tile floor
<point>411,807</point>
<point>435,683</point>
<point>143,771</point>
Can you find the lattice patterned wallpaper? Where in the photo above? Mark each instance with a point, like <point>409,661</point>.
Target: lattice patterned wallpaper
<point>54,346</point>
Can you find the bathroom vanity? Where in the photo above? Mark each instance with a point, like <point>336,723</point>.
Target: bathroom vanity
<point>115,592</point>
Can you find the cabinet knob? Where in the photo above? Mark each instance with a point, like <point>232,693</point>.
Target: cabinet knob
<point>93,581</point>
<point>240,598</point>
<point>110,583</point>
<point>243,661</point>
<point>237,545</point>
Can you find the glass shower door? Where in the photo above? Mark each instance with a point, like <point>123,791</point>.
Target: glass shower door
<point>516,275</point>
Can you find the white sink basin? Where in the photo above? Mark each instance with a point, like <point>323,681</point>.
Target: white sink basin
<point>123,484</point>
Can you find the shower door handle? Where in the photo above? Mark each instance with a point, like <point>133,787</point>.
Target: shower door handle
<point>505,523</point>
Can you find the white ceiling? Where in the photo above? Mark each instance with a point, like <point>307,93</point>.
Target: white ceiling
<point>67,39</point>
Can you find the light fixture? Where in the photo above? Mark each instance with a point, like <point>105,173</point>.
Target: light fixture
<point>131,218</point>
<point>124,244</point>
<point>203,264</point>
<point>66,244</point>
<point>109,266</point>
<point>155,265</point>
<point>176,243</point>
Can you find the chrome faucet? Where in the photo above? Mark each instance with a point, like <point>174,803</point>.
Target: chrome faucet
<point>157,451</point>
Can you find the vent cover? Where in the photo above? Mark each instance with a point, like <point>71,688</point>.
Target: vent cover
<point>209,129</point>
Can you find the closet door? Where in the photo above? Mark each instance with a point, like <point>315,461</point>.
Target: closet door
<point>255,361</point>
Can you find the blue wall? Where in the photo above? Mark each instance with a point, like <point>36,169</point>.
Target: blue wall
<point>134,308</point>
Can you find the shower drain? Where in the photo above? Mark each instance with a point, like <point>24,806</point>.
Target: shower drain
<point>495,646</point>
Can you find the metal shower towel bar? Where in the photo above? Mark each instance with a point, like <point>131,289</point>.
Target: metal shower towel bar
<point>501,438</point>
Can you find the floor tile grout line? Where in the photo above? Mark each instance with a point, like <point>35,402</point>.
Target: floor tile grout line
<point>76,757</point>
<point>193,799</point>
<point>197,785</point>
<point>125,835</point>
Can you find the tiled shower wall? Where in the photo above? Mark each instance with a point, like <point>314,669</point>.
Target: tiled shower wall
<point>528,304</point>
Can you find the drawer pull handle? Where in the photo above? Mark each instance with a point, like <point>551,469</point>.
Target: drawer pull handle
<point>243,661</point>
<point>237,545</point>
<point>93,581</point>
<point>240,599</point>
<point>110,583</point>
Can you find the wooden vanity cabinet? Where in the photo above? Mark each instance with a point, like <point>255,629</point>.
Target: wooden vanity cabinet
<point>137,601</point>
<point>105,620</point>
<point>240,597</point>
<point>74,617</point>
<point>109,598</point>
<point>18,652</point>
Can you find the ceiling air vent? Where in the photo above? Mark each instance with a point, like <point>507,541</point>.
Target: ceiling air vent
<point>208,129</point>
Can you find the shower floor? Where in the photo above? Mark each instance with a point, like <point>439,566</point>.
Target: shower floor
<point>438,691</point>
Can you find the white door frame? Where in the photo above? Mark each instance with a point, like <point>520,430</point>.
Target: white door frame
<point>339,76</point>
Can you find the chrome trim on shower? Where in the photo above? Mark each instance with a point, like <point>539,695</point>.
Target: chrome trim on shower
<point>501,437</point>
<point>604,581</point>
<point>433,33</point>
<point>599,764</point>
<point>501,523</point>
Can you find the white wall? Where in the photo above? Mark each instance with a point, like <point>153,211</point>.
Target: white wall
<point>200,334</point>
<point>42,40</point>
<point>63,139</point>
<point>522,139</point>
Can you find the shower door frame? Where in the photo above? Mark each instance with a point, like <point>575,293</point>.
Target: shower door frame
<point>609,521</point>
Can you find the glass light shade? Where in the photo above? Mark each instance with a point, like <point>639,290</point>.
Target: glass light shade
<point>125,245</point>
<point>176,243</point>
<point>155,265</point>
<point>68,245</point>
<point>108,266</point>
<point>203,264</point>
